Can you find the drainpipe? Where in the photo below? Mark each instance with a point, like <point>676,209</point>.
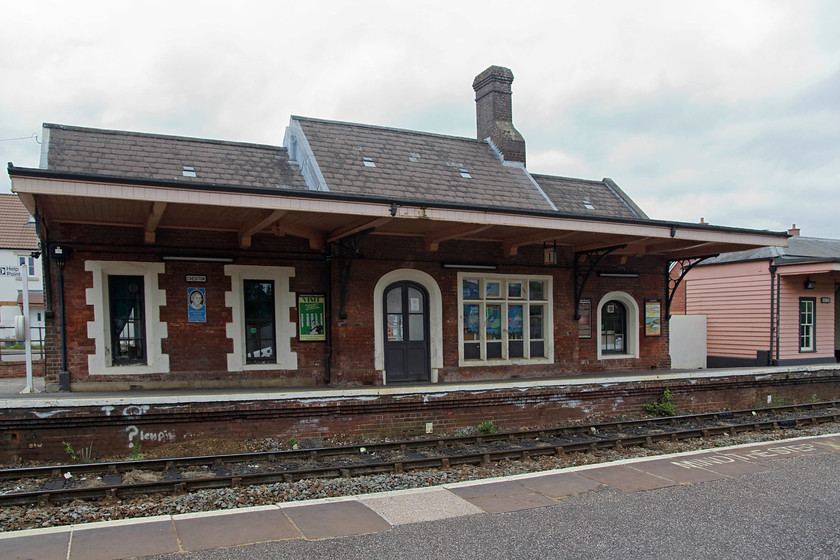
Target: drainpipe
<point>328,314</point>
<point>60,255</point>
<point>773,337</point>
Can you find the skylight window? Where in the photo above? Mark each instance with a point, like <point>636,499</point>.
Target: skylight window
<point>189,171</point>
<point>414,158</point>
<point>465,173</point>
<point>587,204</point>
<point>368,162</point>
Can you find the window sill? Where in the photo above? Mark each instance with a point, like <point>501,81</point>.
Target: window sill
<point>617,357</point>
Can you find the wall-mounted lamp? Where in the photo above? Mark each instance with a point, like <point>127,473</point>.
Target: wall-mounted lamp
<point>471,266</point>
<point>618,274</point>
<point>197,259</point>
<point>810,284</point>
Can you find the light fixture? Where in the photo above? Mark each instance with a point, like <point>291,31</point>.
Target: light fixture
<point>810,284</point>
<point>618,274</point>
<point>197,259</point>
<point>471,266</point>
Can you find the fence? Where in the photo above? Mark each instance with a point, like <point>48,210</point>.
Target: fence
<point>10,346</point>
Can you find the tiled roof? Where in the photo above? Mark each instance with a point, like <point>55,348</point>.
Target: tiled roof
<point>592,198</point>
<point>799,249</point>
<point>15,231</point>
<point>417,166</point>
<point>116,153</point>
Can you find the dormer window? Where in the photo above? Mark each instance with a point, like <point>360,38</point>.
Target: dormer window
<point>368,162</point>
<point>587,204</point>
<point>465,173</point>
<point>189,171</point>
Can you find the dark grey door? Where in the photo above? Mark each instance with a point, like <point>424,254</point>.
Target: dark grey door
<point>406,307</point>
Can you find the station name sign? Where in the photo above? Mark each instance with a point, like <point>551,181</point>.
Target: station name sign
<point>196,278</point>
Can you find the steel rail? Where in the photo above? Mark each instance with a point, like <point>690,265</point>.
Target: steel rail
<point>316,453</point>
<point>484,457</point>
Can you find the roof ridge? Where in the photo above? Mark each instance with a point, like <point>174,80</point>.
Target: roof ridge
<point>593,181</point>
<point>158,135</point>
<point>388,128</point>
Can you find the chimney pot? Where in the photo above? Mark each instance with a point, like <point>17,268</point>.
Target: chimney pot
<point>494,113</point>
<point>793,231</point>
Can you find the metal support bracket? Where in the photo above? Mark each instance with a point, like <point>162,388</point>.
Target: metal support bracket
<point>672,282</point>
<point>348,250</point>
<point>583,270</point>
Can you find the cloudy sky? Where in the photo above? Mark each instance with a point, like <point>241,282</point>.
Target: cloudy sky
<point>726,110</point>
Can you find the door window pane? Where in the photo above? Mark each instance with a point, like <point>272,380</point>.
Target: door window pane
<point>394,301</point>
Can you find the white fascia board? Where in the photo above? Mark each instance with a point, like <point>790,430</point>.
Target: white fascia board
<point>270,201</point>
<point>304,157</point>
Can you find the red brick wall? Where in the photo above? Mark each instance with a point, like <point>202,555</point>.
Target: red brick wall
<point>197,352</point>
<point>26,433</point>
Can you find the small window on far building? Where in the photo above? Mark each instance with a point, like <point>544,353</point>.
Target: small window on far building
<point>807,325</point>
<point>27,265</point>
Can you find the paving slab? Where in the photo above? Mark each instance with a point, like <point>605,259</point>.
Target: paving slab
<point>415,507</point>
<point>335,519</point>
<point>501,497</point>
<point>678,472</point>
<point>49,544</point>
<point>233,528</point>
<point>561,485</point>
<point>126,538</point>
<point>627,478</point>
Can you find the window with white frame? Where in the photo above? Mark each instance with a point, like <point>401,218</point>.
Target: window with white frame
<point>807,325</point>
<point>126,329</point>
<point>261,328</point>
<point>504,319</point>
<point>618,321</point>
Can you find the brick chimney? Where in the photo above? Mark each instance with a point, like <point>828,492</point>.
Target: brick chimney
<point>494,115</point>
<point>793,231</point>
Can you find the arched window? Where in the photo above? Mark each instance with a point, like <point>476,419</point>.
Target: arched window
<point>618,319</point>
<point>614,328</point>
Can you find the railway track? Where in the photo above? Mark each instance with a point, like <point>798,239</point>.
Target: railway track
<point>112,480</point>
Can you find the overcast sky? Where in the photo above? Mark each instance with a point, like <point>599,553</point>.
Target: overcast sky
<point>727,110</point>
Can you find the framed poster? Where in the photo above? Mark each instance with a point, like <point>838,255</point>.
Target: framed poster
<point>311,314</point>
<point>196,305</point>
<point>585,321</point>
<point>653,320</point>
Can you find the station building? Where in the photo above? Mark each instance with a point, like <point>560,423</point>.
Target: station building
<point>352,255</point>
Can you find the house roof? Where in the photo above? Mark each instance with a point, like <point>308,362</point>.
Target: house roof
<point>16,231</point>
<point>434,168</point>
<point>116,153</point>
<point>799,250</point>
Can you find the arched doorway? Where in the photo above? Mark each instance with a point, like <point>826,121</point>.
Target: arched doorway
<point>405,307</point>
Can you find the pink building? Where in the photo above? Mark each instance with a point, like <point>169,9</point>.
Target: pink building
<point>769,306</point>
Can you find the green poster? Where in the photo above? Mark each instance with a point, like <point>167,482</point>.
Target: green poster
<point>311,317</point>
